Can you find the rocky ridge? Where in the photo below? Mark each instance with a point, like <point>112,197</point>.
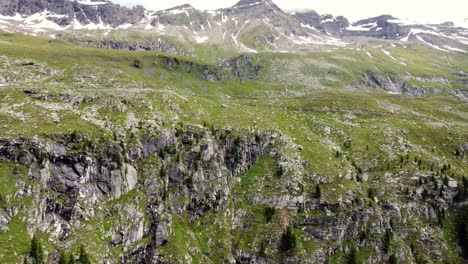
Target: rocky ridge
<point>247,26</point>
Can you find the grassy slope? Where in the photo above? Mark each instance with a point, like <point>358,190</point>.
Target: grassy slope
<point>321,121</point>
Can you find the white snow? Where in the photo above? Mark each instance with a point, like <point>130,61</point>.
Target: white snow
<point>454,49</point>
<point>92,26</point>
<point>364,27</point>
<point>88,2</point>
<point>212,12</point>
<point>16,17</point>
<point>39,22</point>
<point>461,39</point>
<point>200,39</point>
<point>431,45</point>
<point>180,11</point>
<point>393,58</point>
<point>252,4</point>
<point>234,37</point>
<point>315,40</point>
<point>223,18</point>
<point>309,27</point>
<point>405,21</point>
<point>266,22</point>
<point>431,27</point>
<point>415,31</point>
<point>327,20</point>
<point>161,27</point>
<point>125,26</point>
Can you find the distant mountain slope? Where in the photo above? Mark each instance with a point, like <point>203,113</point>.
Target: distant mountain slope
<point>248,26</point>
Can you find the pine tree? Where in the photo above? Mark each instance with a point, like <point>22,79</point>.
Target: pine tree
<point>318,192</point>
<point>288,241</point>
<point>62,259</point>
<point>268,213</point>
<point>387,240</point>
<point>37,253</point>
<point>352,257</point>
<point>83,258</point>
<point>71,259</point>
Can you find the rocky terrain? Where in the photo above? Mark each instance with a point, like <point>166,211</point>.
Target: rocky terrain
<point>148,137</point>
<point>248,26</point>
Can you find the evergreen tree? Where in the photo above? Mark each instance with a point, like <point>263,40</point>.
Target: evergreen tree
<point>83,258</point>
<point>392,259</point>
<point>462,232</point>
<point>288,241</point>
<point>71,259</point>
<point>387,240</point>
<point>37,253</point>
<point>268,213</point>
<point>318,192</point>
<point>352,257</point>
<point>62,259</point>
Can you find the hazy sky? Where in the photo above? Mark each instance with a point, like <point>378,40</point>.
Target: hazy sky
<point>419,10</point>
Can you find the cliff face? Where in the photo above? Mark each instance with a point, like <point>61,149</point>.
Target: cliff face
<point>133,199</point>
<point>70,179</point>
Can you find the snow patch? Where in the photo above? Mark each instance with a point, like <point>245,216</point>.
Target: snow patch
<point>200,39</point>
<point>403,21</point>
<point>415,31</point>
<point>92,26</point>
<point>364,27</point>
<point>393,58</point>
<point>89,2</point>
<point>252,4</point>
<point>454,49</point>
<point>16,17</point>
<point>309,27</point>
<point>327,20</point>
<point>430,45</point>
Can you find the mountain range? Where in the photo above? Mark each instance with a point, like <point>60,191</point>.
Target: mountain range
<point>248,26</point>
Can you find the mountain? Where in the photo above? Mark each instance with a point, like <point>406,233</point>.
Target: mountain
<point>248,26</point>
<point>39,16</point>
<point>239,135</point>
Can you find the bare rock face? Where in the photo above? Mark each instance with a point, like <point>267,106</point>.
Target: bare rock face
<point>159,169</point>
<point>84,12</point>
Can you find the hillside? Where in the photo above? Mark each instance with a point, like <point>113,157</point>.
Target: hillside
<point>145,147</point>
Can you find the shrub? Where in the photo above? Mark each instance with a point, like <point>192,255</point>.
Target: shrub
<point>387,241</point>
<point>288,241</point>
<point>318,192</point>
<point>83,258</point>
<point>352,257</point>
<point>37,253</point>
<point>269,212</point>
<point>62,259</point>
<point>392,259</point>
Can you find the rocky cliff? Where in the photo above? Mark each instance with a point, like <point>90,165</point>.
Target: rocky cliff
<point>70,178</point>
<point>131,194</point>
